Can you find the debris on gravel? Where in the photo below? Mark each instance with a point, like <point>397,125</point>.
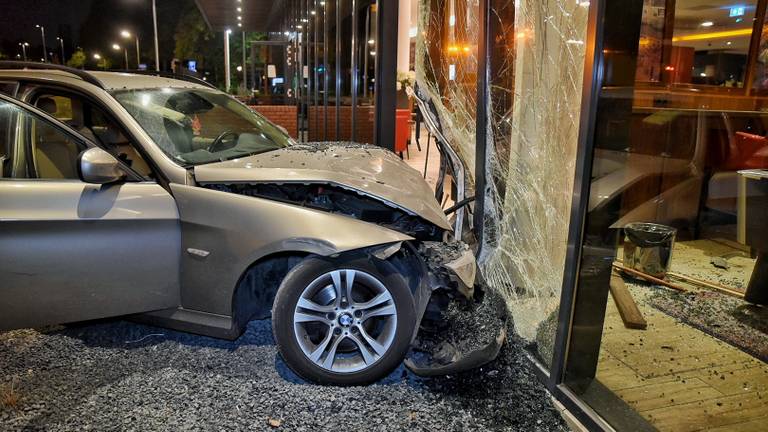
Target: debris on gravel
<point>469,326</point>
<point>117,375</point>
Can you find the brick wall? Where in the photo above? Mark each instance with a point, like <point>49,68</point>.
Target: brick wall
<point>364,126</point>
<point>283,115</point>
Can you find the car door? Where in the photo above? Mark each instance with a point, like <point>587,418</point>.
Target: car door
<point>69,250</point>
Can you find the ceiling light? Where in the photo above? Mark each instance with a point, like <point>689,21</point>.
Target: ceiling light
<point>707,24</point>
<point>239,18</point>
<point>239,24</point>
<point>239,9</point>
<point>713,35</point>
<point>371,42</point>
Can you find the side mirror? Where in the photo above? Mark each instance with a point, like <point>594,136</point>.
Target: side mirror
<point>99,167</point>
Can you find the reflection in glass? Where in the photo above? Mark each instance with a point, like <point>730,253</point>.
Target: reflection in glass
<point>710,43</point>
<point>655,316</point>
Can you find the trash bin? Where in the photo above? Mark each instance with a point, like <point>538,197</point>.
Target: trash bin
<point>648,248</point>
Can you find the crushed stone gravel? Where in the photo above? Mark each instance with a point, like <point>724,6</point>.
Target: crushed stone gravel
<point>117,375</point>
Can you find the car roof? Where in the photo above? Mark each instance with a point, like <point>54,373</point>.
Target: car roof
<point>131,81</point>
<point>111,81</point>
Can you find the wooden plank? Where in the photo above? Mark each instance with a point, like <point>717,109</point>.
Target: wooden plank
<point>630,313</point>
<point>714,286</point>
<point>710,413</point>
<point>756,425</point>
<point>648,277</point>
<point>667,394</point>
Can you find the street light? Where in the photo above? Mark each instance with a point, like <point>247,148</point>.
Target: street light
<point>116,47</point>
<point>61,41</point>
<point>227,76</point>
<point>24,46</point>
<point>157,45</point>
<point>127,35</point>
<point>45,50</point>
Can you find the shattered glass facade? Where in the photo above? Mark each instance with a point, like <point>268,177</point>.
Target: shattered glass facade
<point>535,98</point>
<point>446,69</point>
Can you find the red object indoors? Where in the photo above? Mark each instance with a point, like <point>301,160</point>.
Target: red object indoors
<point>747,151</point>
<point>402,129</point>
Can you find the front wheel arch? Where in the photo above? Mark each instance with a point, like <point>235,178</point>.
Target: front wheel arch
<point>253,297</point>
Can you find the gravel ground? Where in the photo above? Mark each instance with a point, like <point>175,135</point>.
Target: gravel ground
<point>116,375</point>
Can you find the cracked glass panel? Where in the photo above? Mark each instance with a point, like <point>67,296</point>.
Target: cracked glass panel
<point>536,83</point>
<point>446,71</point>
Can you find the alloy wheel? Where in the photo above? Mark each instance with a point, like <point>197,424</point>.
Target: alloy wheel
<point>345,321</point>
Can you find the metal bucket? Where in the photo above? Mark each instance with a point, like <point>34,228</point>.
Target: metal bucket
<point>648,248</point>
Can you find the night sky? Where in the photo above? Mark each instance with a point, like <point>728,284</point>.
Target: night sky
<point>93,25</point>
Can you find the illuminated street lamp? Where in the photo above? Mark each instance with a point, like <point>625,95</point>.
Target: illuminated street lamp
<point>61,42</point>
<point>127,35</point>
<point>116,47</point>
<point>24,46</point>
<point>45,50</point>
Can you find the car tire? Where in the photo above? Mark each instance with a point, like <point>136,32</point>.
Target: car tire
<point>380,309</point>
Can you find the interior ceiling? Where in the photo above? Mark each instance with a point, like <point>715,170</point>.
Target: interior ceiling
<point>258,15</point>
<point>690,14</point>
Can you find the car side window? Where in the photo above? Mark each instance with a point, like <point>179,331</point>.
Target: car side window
<point>44,151</point>
<point>93,123</point>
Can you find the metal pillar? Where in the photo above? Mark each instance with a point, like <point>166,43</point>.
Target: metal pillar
<point>157,44</point>
<point>227,77</point>
<point>386,73</point>
<point>245,67</point>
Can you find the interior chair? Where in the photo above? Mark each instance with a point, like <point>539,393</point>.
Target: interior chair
<point>55,156</point>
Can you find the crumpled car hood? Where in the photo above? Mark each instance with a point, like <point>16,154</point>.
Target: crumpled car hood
<point>369,170</point>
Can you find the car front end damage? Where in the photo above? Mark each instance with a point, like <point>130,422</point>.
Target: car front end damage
<point>459,325</point>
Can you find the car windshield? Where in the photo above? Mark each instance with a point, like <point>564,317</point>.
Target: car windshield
<point>198,126</point>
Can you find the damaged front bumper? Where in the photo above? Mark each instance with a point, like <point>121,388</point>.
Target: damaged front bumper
<point>461,327</point>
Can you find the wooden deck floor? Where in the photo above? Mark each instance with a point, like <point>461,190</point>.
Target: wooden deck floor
<point>681,379</point>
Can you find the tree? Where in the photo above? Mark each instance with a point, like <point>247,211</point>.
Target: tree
<point>77,60</point>
<point>104,63</point>
<point>195,41</point>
